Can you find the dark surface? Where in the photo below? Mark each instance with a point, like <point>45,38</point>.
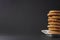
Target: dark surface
<point>53,35</point>
<point>27,37</point>
<point>25,18</point>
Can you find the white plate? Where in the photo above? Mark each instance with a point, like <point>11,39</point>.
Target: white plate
<point>50,35</point>
<point>45,31</point>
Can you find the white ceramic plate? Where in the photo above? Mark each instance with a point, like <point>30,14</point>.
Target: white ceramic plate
<point>50,35</point>
<point>45,31</point>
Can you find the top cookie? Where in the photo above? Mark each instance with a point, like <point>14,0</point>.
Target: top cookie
<point>53,12</point>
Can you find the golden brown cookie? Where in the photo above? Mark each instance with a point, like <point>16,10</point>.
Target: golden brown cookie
<point>55,17</point>
<point>53,20</point>
<point>54,11</point>
<point>53,23</point>
<point>53,14</point>
<point>53,32</point>
<point>53,28</point>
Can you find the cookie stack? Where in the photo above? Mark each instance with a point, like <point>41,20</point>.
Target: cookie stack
<point>54,22</point>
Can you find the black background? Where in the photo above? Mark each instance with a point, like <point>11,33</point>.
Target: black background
<point>26,17</point>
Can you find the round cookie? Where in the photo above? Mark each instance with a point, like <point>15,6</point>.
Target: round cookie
<point>53,32</point>
<point>53,28</point>
<point>53,12</point>
<point>53,23</point>
<point>53,20</point>
<point>55,17</point>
